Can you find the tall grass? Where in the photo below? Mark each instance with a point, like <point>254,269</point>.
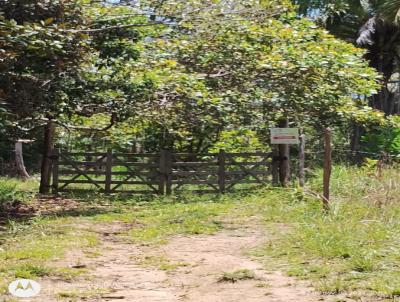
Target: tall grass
<point>355,248</point>
<point>8,190</point>
<point>12,189</point>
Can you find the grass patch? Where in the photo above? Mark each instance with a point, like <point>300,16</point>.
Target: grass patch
<point>161,221</point>
<point>155,221</point>
<point>12,189</point>
<point>31,271</point>
<point>239,275</point>
<point>353,248</point>
<point>69,274</point>
<point>28,249</point>
<point>77,294</point>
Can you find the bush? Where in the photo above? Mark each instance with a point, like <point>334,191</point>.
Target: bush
<point>384,139</point>
<point>8,190</point>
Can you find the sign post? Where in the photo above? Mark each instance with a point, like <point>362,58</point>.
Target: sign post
<point>283,137</point>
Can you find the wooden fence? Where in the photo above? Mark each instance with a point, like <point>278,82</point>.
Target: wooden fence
<point>159,173</point>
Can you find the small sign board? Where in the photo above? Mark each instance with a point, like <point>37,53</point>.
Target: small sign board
<point>284,136</point>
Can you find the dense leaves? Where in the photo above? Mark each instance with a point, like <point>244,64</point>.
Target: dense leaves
<point>371,24</point>
<point>254,72</point>
<point>40,48</point>
<point>189,75</point>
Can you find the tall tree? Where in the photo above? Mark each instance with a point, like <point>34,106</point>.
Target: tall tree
<point>243,65</point>
<point>372,24</point>
<point>226,72</point>
<point>40,47</point>
<point>65,57</point>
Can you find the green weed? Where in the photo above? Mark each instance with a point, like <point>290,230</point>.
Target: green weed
<point>75,294</point>
<point>12,189</point>
<point>239,275</point>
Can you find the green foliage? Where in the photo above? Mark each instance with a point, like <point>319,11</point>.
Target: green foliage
<point>186,75</point>
<point>239,140</point>
<point>197,81</point>
<point>385,138</point>
<point>108,82</point>
<point>371,24</point>
<point>13,189</point>
<point>390,9</point>
<point>247,70</point>
<point>7,191</point>
<point>41,46</point>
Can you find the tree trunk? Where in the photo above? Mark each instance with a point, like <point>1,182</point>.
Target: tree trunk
<point>48,146</point>
<point>385,101</point>
<point>355,144</point>
<point>19,161</point>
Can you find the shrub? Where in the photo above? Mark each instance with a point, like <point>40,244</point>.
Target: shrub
<point>8,189</point>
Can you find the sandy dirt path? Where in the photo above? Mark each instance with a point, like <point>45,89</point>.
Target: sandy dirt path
<point>187,268</point>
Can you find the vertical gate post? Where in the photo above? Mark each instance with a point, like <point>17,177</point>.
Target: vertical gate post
<point>284,153</point>
<point>284,165</point>
<point>162,177</point>
<point>275,165</point>
<point>55,158</point>
<point>327,167</point>
<point>109,163</point>
<point>302,178</point>
<point>48,146</point>
<point>168,172</point>
<point>221,171</point>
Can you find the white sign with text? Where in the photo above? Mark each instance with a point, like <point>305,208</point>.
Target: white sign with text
<point>283,136</point>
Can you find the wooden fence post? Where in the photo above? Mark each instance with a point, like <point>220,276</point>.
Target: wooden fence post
<point>327,167</point>
<point>163,172</point>
<point>48,146</point>
<point>109,164</point>
<point>55,157</point>
<point>284,154</point>
<point>284,165</point>
<point>221,171</point>
<point>302,177</point>
<point>168,172</point>
<point>275,165</point>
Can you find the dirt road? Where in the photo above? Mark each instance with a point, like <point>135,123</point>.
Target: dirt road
<point>212,268</point>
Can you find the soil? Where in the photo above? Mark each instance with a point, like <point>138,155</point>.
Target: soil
<point>45,206</point>
<point>187,268</point>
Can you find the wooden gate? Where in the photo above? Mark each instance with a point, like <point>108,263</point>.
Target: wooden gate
<point>106,172</point>
<point>159,173</point>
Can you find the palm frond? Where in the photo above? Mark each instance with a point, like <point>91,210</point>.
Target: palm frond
<point>388,9</point>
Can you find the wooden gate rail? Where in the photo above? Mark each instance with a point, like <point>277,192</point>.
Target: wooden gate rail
<point>159,173</point>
